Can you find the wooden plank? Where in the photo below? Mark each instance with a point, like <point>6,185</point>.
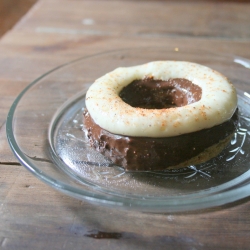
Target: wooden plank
<point>137,18</point>
<point>6,155</point>
<point>11,11</point>
<point>34,216</point>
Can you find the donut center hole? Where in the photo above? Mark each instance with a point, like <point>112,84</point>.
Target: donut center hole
<point>157,94</point>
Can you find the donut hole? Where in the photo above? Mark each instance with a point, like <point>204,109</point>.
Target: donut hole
<point>157,94</point>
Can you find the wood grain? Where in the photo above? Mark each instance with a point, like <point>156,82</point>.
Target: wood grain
<point>35,216</point>
<point>55,221</point>
<point>143,19</point>
<point>11,11</point>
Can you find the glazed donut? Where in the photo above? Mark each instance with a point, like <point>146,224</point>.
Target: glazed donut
<point>216,105</point>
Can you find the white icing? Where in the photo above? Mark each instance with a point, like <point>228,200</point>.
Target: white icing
<point>109,111</point>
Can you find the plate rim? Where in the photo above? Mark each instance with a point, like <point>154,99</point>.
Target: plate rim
<point>214,200</point>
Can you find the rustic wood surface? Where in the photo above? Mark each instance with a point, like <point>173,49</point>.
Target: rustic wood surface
<point>35,216</point>
<point>11,11</point>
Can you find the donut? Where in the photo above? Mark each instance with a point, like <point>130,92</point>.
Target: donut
<point>159,115</point>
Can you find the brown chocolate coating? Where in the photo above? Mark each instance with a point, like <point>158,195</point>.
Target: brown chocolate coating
<point>156,94</point>
<point>146,153</point>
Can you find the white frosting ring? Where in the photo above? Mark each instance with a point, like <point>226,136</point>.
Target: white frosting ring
<point>217,104</point>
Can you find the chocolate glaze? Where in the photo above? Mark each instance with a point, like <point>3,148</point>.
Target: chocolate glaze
<point>146,153</point>
<point>156,94</point>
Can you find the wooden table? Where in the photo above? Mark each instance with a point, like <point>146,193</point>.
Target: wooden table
<point>11,12</point>
<point>35,216</point>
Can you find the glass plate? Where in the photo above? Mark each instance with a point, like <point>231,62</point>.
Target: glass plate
<point>44,129</point>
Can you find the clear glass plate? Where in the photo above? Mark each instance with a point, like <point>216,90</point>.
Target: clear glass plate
<point>45,131</point>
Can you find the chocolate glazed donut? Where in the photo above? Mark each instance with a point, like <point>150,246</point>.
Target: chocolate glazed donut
<point>159,153</point>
